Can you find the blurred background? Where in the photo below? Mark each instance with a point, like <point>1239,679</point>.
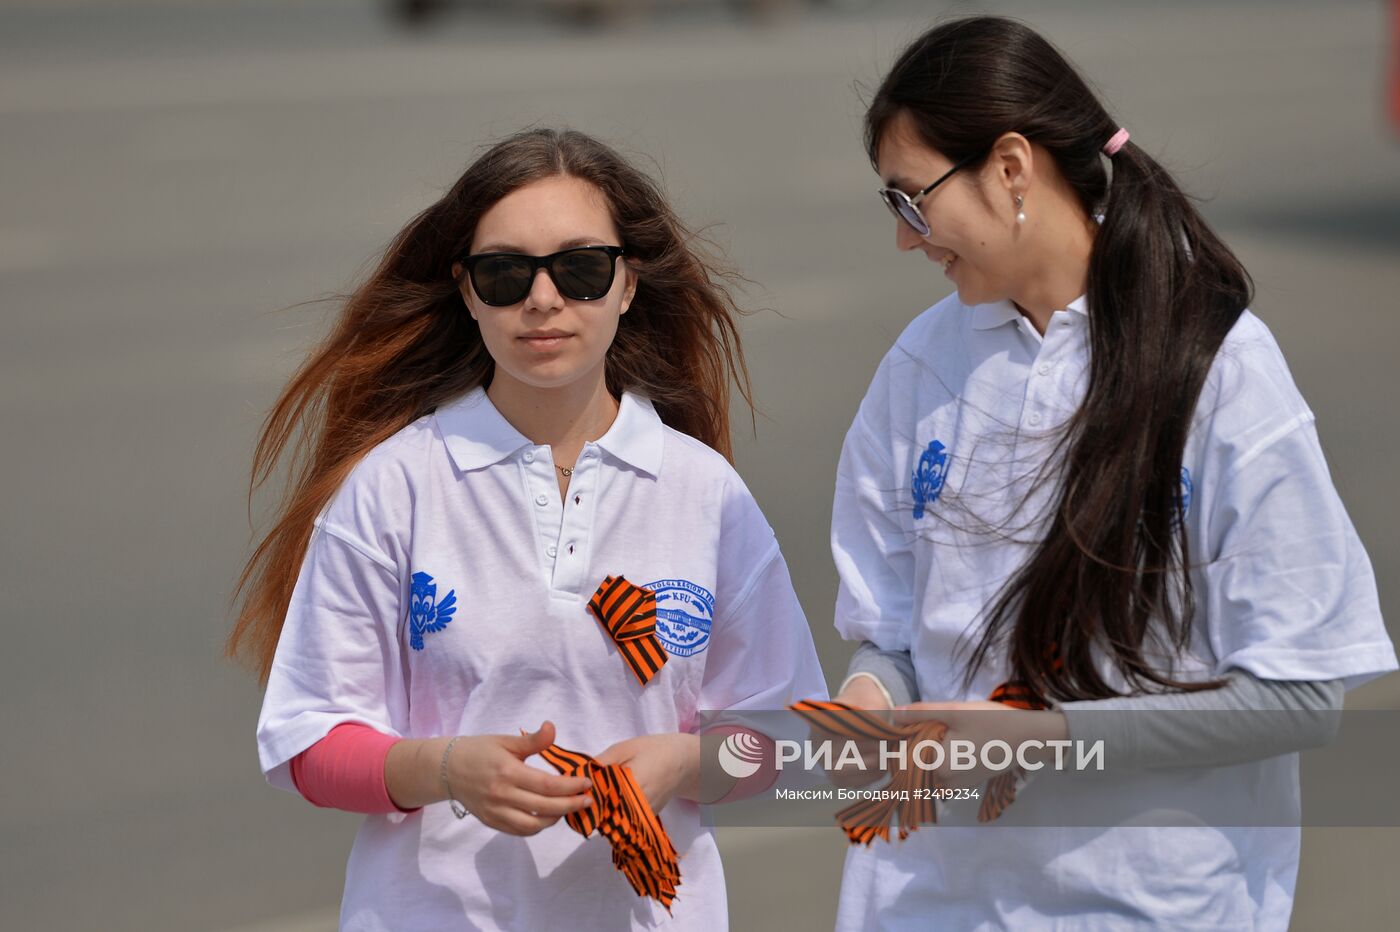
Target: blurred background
<point>175,175</point>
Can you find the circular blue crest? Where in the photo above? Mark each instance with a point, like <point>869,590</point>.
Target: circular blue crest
<point>684,612</point>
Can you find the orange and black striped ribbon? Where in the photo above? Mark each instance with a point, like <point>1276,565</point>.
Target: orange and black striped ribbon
<point>867,820</point>
<point>620,812</point>
<point>1000,790</point>
<point>910,801</point>
<point>628,614</point>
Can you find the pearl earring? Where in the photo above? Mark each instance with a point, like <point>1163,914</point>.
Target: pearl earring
<point>1020,203</point>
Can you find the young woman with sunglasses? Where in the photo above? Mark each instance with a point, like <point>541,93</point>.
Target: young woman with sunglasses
<point>1088,473</point>
<point>524,403</point>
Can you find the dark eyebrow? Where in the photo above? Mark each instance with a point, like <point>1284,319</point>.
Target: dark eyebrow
<point>567,244</point>
<point>900,184</point>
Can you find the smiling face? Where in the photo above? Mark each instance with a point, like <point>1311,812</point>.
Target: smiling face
<point>548,341</point>
<point>973,240</point>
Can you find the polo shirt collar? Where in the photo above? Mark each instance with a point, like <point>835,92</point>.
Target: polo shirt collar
<point>996,313</point>
<point>993,314</point>
<point>637,436</point>
<point>477,435</point>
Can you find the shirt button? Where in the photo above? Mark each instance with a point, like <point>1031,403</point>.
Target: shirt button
<point>541,499</point>
<point>1044,368</point>
<point>551,550</point>
<point>529,457</point>
<point>1034,420</point>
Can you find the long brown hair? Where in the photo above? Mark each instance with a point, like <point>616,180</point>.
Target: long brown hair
<point>404,343</point>
<point>1110,577</point>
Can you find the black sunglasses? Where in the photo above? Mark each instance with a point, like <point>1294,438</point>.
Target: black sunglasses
<point>584,273</point>
<point>906,208</point>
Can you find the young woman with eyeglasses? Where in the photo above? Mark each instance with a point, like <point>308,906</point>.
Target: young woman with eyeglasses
<point>1087,473</point>
<point>519,418</point>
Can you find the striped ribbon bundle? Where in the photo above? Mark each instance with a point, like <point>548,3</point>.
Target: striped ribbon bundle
<point>628,614</point>
<point>641,848</point>
<point>910,800</point>
<point>1000,791</point>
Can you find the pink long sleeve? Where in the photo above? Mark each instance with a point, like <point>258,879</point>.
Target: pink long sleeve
<point>345,770</point>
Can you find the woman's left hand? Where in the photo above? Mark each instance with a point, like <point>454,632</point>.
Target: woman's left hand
<point>980,722</point>
<point>664,766</point>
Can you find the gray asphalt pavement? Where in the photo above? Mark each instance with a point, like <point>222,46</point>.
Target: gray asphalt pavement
<point>177,174</point>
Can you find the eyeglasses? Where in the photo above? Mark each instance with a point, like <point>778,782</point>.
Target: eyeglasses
<point>584,273</point>
<point>906,208</point>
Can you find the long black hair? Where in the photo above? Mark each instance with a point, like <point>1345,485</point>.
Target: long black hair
<point>1110,577</point>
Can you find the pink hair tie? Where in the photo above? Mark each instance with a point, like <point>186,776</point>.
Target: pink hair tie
<point>1111,147</point>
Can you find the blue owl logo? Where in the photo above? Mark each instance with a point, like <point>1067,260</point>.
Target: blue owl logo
<point>1183,498</point>
<point>929,476</point>
<point>426,614</point>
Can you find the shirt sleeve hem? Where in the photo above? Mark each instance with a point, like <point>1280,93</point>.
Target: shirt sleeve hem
<point>884,633</point>
<point>275,752</point>
<point>874,678</point>
<point>1354,664</point>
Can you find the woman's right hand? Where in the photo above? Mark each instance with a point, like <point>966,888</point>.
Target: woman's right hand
<point>488,775</point>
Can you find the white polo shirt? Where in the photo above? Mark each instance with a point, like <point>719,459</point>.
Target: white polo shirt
<point>445,592</point>
<point>925,532</point>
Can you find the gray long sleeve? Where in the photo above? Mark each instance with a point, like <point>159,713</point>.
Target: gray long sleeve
<point>894,669</point>
<point>1246,719</point>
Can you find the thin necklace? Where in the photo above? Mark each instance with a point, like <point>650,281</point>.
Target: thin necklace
<point>569,470</point>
